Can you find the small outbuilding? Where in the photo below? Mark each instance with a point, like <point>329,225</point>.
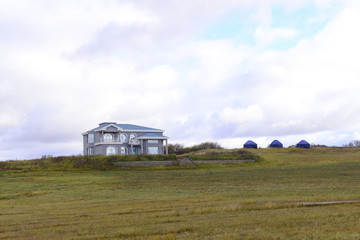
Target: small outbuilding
<point>303,144</point>
<point>276,144</point>
<point>250,144</point>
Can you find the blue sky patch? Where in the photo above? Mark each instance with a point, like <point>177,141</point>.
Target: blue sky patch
<point>239,26</point>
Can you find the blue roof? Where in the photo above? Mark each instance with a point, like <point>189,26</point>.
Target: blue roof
<point>303,144</point>
<point>126,127</point>
<point>250,144</point>
<point>151,135</point>
<point>276,143</point>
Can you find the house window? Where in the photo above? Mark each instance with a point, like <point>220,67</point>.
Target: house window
<point>122,137</point>
<point>153,150</point>
<point>90,138</point>
<point>153,141</point>
<point>133,151</point>
<point>132,137</point>
<point>123,150</point>
<point>111,150</point>
<point>91,151</point>
<point>108,137</point>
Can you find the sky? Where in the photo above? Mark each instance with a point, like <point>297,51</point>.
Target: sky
<point>202,70</point>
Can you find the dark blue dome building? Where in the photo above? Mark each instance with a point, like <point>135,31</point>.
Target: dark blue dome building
<point>250,144</point>
<point>276,144</point>
<point>303,144</point>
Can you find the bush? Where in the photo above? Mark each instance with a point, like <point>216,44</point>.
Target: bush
<point>354,143</point>
<point>180,149</point>
<point>72,162</point>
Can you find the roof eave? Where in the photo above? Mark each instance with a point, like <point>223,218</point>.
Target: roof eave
<point>160,137</point>
<point>135,130</point>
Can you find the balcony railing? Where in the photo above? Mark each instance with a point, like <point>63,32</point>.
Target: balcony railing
<point>117,141</point>
<point>134,142</point>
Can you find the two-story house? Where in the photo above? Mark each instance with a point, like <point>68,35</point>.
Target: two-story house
<point>111,138</point>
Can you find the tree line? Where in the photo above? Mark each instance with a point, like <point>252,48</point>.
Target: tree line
<point>177,148</point>
<point>354,143</point>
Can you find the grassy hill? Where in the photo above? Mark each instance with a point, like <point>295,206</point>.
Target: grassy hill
<point>100,162</point>
<point>260,200</point>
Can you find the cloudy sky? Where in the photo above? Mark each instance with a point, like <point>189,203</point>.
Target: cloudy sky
<point>202,70</point>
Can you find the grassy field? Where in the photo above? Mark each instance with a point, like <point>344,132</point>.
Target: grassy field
<point>250,201</point>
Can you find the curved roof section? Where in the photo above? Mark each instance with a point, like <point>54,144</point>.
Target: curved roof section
<point>276,143</point>
<point>250,144</point>
<point>303,144</point>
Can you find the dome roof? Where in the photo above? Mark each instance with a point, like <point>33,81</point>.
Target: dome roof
<point>303,144</point>
<point>250,144</point>
<point>276,144</point>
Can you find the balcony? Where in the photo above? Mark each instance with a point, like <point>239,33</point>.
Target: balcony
<point>117,141</point>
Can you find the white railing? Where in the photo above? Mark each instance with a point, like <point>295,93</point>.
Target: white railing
<point>134,142</point>
<point>117,140</point>
<point>110,140</point>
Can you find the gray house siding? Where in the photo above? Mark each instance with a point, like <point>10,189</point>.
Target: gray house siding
<point>117,136</point>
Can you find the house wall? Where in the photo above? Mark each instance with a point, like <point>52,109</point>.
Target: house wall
<point>111,129</point>
<point>86,144</point>
<point>101,149</point>
<point>97,136</point>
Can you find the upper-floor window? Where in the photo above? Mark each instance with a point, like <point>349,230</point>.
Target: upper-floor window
<point>132,137</point>
<point>153,141</point>
<point>108,137</point>
<point>90,138</point>
<point>122,137</point>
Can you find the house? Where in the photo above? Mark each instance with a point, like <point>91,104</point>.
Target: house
<point>111,138</point>
<point>276,144</point>
<point>303,144</point>
<point>250,144</point>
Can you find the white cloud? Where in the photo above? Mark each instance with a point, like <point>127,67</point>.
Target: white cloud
<point>251,113</point>
<point>67,66</point>
<point>10,116</point>
<point>266,35</point>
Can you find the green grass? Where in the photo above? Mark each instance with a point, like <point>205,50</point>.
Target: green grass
<point>98,162</point>
<point>247,201</point>
<point>217,154</point>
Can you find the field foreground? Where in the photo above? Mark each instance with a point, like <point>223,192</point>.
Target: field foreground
<point>250,201</point>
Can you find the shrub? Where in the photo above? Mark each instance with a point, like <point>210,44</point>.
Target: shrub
<point>354,143</point>
<point>180,149</point>
<point>72,162</point>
